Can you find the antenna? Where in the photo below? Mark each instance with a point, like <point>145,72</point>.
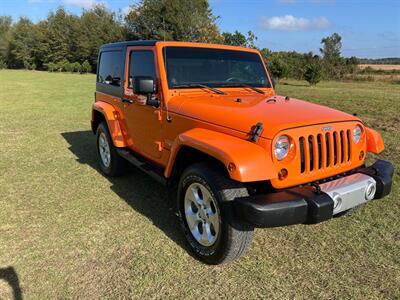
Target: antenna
<point>169,119</point>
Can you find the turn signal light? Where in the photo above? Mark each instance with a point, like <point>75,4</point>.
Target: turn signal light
<point>231,167</point>
<point>361,156</point>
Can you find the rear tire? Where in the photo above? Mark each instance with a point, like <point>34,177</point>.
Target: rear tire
<point>111,164</point>
<point>224,240</point>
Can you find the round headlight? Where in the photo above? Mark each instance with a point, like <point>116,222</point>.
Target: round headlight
<point>281,147</point>
<point>357,131</point>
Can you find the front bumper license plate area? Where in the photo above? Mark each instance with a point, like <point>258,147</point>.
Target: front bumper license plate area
<point>350,191</point>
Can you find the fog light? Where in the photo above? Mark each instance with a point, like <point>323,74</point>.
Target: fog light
<point>370,191</point>
<point>337,202</point>
<point>282,174</point>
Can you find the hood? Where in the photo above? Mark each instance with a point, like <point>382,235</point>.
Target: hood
<point>274,112</point>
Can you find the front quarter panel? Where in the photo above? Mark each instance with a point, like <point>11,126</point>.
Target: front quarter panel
<point>252,162</point>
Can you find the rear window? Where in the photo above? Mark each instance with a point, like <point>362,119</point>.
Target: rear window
<point>110,71</point>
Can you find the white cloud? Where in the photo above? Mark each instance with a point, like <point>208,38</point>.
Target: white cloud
<point>82,3</point>
<point>291,23</point>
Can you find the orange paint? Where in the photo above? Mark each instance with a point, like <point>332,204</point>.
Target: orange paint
<point>250,160</point>
<point>112,114</point>
<point>344,159</point>
<point>220,126</point>
<point>374,141</point>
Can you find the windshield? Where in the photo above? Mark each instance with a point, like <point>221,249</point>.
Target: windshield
<point>187,66</point>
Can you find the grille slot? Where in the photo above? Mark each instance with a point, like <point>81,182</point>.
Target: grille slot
<point>324,150</point>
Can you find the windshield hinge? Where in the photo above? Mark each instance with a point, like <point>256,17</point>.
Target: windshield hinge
<point>256,131</point>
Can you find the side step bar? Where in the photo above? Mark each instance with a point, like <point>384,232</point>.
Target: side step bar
<point>144,165</point>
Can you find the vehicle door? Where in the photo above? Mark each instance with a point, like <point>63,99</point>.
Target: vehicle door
<point>143,121</point>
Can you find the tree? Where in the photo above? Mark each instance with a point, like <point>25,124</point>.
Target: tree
<point>51,67</point>
<point>178,20</point>
<point>86,68</point>
<point>62,65</point>
<point>278,68</point>
<point>235,39</point>
<point>332,46</point>
<point>98,26</point>
<point>351,64</point>
<point>5,34</point>
<point>239,39</point>
<point>61,36</point>
<point>69,67</point>
<point>313,73</point>
<point>41,48</point>
<point>77,67</point>
<point>3,64</point>
<point>333,63</point>
<point>22,43</point>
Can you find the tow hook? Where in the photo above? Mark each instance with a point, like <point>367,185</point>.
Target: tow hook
<point>317,188</point>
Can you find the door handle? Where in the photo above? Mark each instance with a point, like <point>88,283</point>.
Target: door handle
<point>124,100</point>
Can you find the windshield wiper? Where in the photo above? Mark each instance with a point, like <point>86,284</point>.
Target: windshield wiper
<point>199,85</point>
<point>244,85</point>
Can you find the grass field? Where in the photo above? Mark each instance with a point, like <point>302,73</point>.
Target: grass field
<point>66,231</point>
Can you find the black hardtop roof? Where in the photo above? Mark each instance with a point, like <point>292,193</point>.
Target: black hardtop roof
<point>128,43</point>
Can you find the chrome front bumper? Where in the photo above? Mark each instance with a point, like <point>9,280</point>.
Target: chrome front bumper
<point>350,191</point>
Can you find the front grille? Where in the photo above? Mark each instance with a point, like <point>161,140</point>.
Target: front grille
<point>323,151</point>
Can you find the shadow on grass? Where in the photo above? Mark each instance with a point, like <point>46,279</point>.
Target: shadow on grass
<point>136,188</point>
<point>10,276</point>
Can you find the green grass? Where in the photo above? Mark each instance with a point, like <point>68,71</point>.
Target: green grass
<point>66,231</point>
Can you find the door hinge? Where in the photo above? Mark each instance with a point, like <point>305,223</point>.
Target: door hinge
<point>159,145</point>
<point>158,114</point>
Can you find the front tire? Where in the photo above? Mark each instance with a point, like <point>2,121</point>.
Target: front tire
<point>111,164</point>
<point>213,231</point>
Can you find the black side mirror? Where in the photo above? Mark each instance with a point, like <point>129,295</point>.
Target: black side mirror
<point>146,85</point>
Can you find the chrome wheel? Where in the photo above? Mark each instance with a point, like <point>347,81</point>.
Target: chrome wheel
<point>202,214</point>
<point>104,150</point>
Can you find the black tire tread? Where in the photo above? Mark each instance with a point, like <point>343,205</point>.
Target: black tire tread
<point>240,234</point>
<point>119,166</point>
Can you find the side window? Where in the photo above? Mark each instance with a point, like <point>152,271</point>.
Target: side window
<point>141,63</point>
<point>110,68</point>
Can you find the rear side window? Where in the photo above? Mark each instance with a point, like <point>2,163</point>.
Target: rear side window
<point>110,71</point>
<point>141,64</point>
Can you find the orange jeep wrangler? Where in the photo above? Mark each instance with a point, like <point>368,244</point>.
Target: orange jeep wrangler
<point>205,120</point>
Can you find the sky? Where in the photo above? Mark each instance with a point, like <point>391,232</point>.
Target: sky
<point>369,28</point>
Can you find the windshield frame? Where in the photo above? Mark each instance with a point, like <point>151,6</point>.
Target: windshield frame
<point>221,84</point>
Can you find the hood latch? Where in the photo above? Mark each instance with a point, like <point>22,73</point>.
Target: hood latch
<point>256,131</point>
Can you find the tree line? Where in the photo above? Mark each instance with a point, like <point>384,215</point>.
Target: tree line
<point>68,42</point>
<point>380,61</point>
